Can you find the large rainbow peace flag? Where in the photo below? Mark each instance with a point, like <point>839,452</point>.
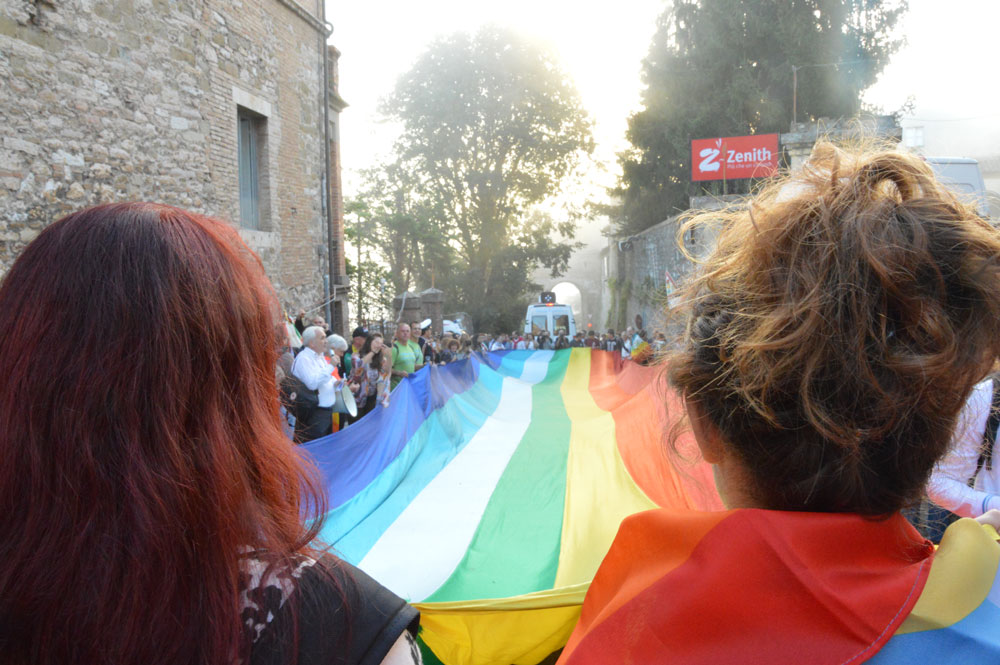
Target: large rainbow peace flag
<point>490,489</point>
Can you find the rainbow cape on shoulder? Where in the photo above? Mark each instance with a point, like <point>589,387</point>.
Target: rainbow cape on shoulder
<point>777,587</point>
<point>957,617</point>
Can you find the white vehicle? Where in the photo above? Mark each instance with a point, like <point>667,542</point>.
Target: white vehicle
<point>549,316</point>
<point>963,176</point>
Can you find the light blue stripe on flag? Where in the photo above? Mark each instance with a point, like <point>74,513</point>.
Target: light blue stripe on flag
<point>435,529</point>
<point>354,527</point>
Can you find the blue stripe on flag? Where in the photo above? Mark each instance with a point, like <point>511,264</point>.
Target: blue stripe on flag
<point>352,528</point>
<point>351,459</point>
<point>974,639</point>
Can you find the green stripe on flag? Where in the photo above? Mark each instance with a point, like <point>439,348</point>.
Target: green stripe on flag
<point>515,549</point>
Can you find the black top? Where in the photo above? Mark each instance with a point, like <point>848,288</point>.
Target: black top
<point>344,617</point>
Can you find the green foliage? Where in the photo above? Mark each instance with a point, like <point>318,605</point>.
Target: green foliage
<point>402,230</point>
<point>491,126</point>
<point>649,293</point>
<point>372,287</point>
<point>624,293</point>
<point>613,309</point>
<point>724,68</point>
<point>621,291</point>
<point>375,300</point>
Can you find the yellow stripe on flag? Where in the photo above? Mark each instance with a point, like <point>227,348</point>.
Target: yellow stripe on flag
<point>600,493</point>
<point>961,576</point>
<point>521,630</point>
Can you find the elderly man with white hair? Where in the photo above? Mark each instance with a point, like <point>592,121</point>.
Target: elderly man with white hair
<point>337,347</point>
<point>312,369</point>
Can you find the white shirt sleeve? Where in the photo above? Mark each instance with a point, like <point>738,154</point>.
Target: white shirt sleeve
<point>948,486</point>
<point>311,369</point>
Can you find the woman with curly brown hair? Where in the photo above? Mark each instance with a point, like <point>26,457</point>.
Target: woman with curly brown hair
<point>153,511</point>
<point>833,336</point>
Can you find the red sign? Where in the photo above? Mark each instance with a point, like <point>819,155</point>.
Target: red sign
<point>733,157</point>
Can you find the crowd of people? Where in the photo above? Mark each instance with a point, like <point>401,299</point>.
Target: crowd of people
<point>837,346</point>
<point>626,342</point>
<point>312,375</point>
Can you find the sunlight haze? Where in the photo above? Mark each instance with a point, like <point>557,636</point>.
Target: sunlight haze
<point>601,45</point>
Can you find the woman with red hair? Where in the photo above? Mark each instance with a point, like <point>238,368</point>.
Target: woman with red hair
<point>152,509</point>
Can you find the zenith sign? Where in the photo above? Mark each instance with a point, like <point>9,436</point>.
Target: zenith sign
<point>732,157</point>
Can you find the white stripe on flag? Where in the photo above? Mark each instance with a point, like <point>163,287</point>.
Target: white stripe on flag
<point>423,546</point>
<point>536,366</point>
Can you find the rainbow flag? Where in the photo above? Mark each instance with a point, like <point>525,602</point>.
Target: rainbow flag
<point>762,586</point>
<point>956,619</point>
<point>489,491</point>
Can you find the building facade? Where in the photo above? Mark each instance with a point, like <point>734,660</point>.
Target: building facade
<point>224,107</point>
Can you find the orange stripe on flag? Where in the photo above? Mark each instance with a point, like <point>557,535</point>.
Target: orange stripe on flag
<point>643,407</point>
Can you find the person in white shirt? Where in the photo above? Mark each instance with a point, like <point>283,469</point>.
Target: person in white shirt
<point>959,482</point>
<point>627,340</point>
<point>499,343</point>
<point>312,369</point>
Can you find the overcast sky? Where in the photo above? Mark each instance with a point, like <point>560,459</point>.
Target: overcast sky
<point>948,65</point>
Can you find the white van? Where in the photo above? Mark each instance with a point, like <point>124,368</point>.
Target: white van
<point>550,317</point>
<point>963,176</point>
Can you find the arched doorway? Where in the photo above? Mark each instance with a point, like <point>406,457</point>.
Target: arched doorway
<point>567,293</point>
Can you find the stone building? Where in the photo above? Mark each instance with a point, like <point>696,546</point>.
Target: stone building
<point>225,107</point>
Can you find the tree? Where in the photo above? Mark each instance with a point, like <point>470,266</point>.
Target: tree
<point>376,299</point>
<point>371,281</point>
<point>491,126</point>
<point>724,68</point>
<point>404,230</point>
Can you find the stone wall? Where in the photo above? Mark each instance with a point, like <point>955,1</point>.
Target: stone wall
<point>641,262</point>
<point>113,100</point>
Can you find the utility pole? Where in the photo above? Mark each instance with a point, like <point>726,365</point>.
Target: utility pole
<point>358,228</point>
<point>795,93</point>
<point>381,308</point>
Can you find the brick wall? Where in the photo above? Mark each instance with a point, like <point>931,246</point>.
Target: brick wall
<point>111,100</point>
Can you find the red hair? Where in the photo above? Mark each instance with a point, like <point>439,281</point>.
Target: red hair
<point>141,445</point>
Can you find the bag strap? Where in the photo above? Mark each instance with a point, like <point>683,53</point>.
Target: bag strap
<point>990,433</point>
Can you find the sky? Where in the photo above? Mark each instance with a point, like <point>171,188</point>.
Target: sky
<point>948,65</point>
<point>601,46</point>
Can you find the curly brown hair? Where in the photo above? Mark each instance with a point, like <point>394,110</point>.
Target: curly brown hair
<point>837,328</point>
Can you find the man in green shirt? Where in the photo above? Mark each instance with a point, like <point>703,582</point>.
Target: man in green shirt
<point>406,355</point>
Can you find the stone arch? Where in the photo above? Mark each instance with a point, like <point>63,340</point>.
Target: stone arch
<point>585,310</point>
